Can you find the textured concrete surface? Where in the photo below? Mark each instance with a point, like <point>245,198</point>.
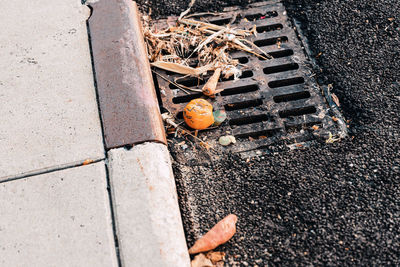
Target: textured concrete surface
<point>57,219</point>
<point>48,109</point>
<point>146,210</point>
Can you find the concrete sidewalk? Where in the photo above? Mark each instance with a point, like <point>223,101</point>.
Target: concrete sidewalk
<point>56,205</point>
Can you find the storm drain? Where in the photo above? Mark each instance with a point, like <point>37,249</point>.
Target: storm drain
<point>273,100</point>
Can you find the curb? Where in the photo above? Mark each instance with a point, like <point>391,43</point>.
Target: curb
<point>127,97</point>
<point>147,218</point>
<point>148,222</point>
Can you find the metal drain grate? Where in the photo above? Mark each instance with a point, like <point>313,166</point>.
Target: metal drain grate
<point>274,99</point>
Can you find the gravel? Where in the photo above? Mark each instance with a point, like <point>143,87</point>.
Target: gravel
<point>333,204</point>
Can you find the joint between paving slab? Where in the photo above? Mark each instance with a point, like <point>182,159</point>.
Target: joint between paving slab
<point>113,220</point>
<point>129,147</point>
<point>114,225</point>
<point>50,170</point>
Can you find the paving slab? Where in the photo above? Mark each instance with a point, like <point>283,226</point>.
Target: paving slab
<point>57,219</point>
<point>146,210</point>
<point>49,115</point>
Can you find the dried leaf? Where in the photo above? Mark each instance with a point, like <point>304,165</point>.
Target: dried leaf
<point>331,139</point>
<point>335,99</point>
<point>181,69</point>
<point>315,127</point>
<point>205,145</point>
<point>184,13</point>
<point>201,261</point>
<point>216,256</point>
<point>209,39</point>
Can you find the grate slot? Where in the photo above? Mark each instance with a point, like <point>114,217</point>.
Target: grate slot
<point>297,112</point>
<point>243,60</point>
<point>291,97</point>
<point>308,119</point>
<point>265,133</point>
<point>194,55</point>
<point>240,97</point>
<point>270,41</point>
<point>179,115</point>
<point>286,82</point>
<point>304,126</point>
<point>279,54</point>
<point>221,22</point>
<point>281,68</point>
<point>185,98</point>
<point>260,16</point>
<point>240,90</point>
<point>250,119</point>
<point>195,82</point>
<point>245,74</point>
<point>241,113</point>
<point>243,105</point>
<point>290,90</point>
<point>191,82</point>
<point>269,28</point>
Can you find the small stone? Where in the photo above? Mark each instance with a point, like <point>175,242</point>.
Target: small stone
<point>224,140</point>
<point>227,140</point>
<point>184,146</point>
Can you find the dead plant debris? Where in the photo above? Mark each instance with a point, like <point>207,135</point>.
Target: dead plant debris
<point>195,48</point>
<point>211,259</point>
<point>200,49</point>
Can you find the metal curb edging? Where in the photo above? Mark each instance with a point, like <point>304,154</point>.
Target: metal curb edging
<point>127,97</point>
<point>144,198</point>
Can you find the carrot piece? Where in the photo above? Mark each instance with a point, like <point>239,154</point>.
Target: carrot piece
<point>219,234</point>
<point>209,89</point>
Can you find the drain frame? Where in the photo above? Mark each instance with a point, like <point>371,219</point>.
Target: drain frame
<point>282,89</point>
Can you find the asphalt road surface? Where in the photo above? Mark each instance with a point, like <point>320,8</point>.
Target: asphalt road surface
<point>333,204</point>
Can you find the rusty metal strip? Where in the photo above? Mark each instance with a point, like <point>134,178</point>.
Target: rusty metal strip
<point>128,100</point>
